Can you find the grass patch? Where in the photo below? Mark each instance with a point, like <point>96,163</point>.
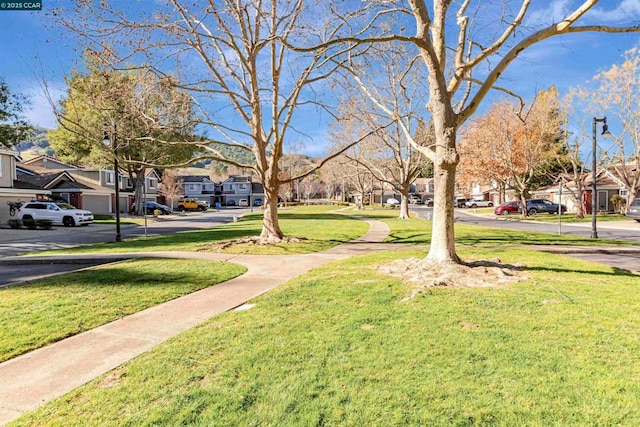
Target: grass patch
<point>571,218</point>
<point>337,347</point>
<point>48,310</point>
<point>418,231</point>
<point>321,229</point>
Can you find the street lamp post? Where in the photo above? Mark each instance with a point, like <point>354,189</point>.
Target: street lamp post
<point>106,140</point>
<point>594,192</point>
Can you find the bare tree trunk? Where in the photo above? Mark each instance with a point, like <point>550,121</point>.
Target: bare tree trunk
<point>404,207</point>
<point>138,183</point>
<point>270,224</point>
<point>579,201</point>
<point>443,249</point>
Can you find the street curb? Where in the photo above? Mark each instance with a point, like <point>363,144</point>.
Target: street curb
<point>600,250</point>
<point>36,260</point>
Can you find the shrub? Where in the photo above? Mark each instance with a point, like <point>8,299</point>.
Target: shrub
<point>619,203</point>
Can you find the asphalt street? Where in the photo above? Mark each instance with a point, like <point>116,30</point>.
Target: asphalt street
<point>15,242</point>
<point>628,230</point>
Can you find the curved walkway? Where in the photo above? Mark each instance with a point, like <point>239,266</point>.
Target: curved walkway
<point>45,374</point>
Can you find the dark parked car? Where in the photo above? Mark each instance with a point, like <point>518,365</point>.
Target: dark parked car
<point>634,210</point>
<point>535,206</point>
<point>460,203</point>
<point>151,206</point>
<point>507,208</point>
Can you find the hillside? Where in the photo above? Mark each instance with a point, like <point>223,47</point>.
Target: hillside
<point>37,146</point>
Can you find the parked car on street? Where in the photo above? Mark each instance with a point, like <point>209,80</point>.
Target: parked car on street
<point>460,203</point>
<point>507,208</point>
<point>231,202</point>
<point>151,206</point>
<point>428,202</point>
<point>392,201</point>
<point>243,203</point>
<point>478,203</point>
<point>535,206</point>
<point>59,214</point>
<point>257,202</point>
<point>415,199</point>
<point>192,205</point>
<point>634,210</point>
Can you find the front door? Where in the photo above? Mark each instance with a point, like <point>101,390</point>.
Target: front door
<point>603,202</point>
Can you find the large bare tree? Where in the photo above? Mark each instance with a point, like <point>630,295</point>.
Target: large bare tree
<point>232,56</point>
<point>395,92</point>
<point>466,47</point>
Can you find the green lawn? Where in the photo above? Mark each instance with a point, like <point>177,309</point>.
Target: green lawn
<point>571,218</point>
<point>48,310</point>
<point>317,225</point>
<point>338,347</point>
<point>418,231</point>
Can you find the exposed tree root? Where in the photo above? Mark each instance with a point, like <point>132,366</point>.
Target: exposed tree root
<point>251,240</point>
<point>424,274</point>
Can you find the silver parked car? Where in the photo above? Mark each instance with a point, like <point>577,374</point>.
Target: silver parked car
<point>478,203</point>
<point>634,210</point>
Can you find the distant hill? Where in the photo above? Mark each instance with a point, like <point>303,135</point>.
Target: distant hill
<point>37,146</point>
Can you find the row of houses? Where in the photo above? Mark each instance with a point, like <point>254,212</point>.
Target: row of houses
<point>608,184</point>
<point>46,177</point>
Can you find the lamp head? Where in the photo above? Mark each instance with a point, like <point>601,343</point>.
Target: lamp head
<point>105,139</point>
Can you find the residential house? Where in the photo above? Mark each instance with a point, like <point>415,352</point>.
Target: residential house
<point>12,189</point>
<point>235,188</point>
<point>89,188</point>
<point>424,187</point>
<point>608,184</point>
<point>201,188</point>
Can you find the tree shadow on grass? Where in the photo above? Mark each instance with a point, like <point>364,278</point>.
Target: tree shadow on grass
<point>617,272</point>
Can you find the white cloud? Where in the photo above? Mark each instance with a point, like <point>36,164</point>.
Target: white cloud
<point>555,11</point>
<point>626,11</point>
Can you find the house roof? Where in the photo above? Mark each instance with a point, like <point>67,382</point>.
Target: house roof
<point>70,185</point>
<point>45,158</point>
<point>237,179</point>
<point>24,185</point>
<point>194,178</point>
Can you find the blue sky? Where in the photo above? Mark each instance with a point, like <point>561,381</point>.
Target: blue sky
<point>31,48</point>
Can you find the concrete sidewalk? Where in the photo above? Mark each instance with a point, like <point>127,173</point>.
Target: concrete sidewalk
<point>45,374</point>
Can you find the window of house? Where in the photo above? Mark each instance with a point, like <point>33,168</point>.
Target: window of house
<point>153,182</point>
<point>129,183</point>
<point>109,177</point>
<point>242,186</point>
<point>192,187</point>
